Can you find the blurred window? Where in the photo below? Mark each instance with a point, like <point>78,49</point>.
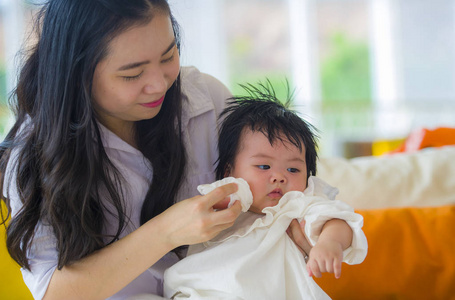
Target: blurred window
<point>361,69</point>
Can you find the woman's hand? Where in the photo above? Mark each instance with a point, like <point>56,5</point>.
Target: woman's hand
<point>195,220</point>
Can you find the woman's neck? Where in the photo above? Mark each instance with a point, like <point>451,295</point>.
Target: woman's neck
<point>128,136</point>
<point>124,130</point>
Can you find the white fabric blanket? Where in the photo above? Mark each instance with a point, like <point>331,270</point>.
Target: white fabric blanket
<point>256,259</point>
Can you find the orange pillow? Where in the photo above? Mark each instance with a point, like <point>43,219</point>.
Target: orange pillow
<point>425,138</point>
<point>411,255</point>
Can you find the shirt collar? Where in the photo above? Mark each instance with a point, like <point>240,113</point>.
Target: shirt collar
<point>112,141</point>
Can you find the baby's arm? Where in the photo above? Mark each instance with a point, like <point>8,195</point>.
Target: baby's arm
<point>327,253</point>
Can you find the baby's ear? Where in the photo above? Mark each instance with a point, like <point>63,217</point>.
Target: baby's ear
<point>227,170</point>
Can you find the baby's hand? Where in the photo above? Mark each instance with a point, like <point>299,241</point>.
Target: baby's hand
<point>325,256</point>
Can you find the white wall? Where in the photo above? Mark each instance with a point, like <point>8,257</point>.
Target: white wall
<point>204,44</point>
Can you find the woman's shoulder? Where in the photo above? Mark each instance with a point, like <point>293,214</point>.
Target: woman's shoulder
<point>203,90</point>
<point>192,76</point>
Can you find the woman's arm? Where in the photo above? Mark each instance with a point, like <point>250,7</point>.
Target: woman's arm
<point>327,253</point>
<point>108,270</point>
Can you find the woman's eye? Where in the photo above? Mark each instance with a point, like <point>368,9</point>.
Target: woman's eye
<point>293,170</point>
<point>263,167</point>
<point>130,78</point>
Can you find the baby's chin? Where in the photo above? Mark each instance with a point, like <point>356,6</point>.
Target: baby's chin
<point>257,208</point>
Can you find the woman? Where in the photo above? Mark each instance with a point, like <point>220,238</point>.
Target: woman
<point>109,134</point>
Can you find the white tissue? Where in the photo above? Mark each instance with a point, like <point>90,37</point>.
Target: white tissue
<point>243,193</point>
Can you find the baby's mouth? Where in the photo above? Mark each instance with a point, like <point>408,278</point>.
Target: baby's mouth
<point>276,193</point>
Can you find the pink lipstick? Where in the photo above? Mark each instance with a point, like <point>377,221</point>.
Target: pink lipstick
<point>154,103</point>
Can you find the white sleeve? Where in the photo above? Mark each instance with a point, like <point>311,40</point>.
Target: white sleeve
<point>43,261</point>
<point>320,212</point>
<point>321,209</point>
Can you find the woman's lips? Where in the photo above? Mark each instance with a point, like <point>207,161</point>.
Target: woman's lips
<point>154,103</point>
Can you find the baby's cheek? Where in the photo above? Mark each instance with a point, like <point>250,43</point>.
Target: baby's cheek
<point>303,184</point>
<point>300,186</point>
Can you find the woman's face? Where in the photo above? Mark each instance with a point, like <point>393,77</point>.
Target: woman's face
<point>141,65</point>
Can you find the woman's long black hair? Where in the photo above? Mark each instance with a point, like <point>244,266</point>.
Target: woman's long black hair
<point>61,162</point>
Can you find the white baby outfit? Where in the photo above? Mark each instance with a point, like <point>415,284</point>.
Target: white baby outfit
<point>256,259</point>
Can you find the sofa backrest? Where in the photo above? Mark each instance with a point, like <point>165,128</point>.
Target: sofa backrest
<point>422,178</point>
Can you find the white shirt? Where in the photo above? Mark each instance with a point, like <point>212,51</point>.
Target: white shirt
<point>204,98</point>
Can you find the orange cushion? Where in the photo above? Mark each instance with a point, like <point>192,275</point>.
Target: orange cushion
<point>424,138</point>
<point>411,255</point>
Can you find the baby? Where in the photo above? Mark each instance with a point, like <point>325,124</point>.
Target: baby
<point>270,152</point>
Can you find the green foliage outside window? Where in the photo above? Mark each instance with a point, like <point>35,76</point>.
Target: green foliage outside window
<point>246,70</point>
<point>345,73</point>
<point>277,80</point>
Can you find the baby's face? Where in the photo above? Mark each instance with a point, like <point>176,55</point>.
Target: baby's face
<point>271,171</point>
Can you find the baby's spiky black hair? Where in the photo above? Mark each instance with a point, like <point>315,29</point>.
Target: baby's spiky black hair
<point>261,111</point>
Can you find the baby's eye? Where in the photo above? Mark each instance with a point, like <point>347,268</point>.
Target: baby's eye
<point>263,167</point>
<point>293,170</point>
